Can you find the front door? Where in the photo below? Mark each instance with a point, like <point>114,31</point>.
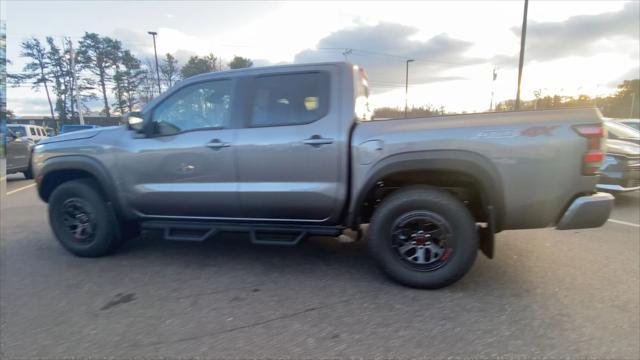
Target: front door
<point>17,152</point>
<point>186,167</point>
<point>291,150</point>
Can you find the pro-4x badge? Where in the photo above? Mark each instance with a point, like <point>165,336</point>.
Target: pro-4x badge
<point>539,130</point>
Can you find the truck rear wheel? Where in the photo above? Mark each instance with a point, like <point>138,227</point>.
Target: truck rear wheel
<point>423,237</point>
<point>81,219</point>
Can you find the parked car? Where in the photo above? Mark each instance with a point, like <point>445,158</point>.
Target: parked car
<point>18,154</point>
<point>634,123</point>
<point>33,133</point>
<point>289,151</point>
<point>619,131</point>
<point>620,171</point>
<point>71,128</point>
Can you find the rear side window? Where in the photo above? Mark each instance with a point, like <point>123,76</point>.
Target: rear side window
<point>290,99</point>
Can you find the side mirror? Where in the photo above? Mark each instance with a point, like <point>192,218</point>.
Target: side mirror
<point>135,121</point>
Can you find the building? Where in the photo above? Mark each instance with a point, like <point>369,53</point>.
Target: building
<point>47,122</point>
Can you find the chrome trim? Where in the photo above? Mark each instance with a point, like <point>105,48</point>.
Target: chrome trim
<point>616,188</point>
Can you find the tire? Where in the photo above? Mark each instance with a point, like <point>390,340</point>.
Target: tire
<point>79,201</point>
<point>406,247</point>
<point>28,173</point>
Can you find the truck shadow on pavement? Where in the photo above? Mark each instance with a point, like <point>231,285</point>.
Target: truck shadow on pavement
<point>315,259</point>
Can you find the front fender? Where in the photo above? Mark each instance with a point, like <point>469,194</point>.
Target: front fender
<point>61,166</point>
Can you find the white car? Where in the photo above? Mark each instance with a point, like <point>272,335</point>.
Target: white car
<point>34,133</point>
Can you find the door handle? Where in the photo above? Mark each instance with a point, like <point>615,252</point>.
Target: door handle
<point>217,144</point>
<point>317,140</point>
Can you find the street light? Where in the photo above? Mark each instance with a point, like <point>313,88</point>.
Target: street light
<point>153,33</point>
<point>406,88</point>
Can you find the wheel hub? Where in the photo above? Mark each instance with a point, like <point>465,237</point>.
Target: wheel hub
<point>421,239</point>
<point>79,220</point>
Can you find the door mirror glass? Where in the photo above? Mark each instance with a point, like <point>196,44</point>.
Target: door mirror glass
<point>135,121</point>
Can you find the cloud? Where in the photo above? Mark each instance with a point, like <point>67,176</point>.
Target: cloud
<point>22,102</point>
<point>382,50</point>
<point>582,35</point>
<point>633,73</point>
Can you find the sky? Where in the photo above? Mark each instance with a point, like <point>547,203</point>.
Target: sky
<point>573,47</point>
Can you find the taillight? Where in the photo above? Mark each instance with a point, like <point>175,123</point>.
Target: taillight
<point>592,159</point>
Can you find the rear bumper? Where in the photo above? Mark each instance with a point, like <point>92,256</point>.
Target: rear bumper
<point>587,212</point>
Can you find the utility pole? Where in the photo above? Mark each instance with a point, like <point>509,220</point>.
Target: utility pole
<point>493,86</point>
<point>523,38</point>
<point>346,54</point>
<point>406,88</point>
<point>154,34</point>
<point>633,104</point>
<point>75,82</point>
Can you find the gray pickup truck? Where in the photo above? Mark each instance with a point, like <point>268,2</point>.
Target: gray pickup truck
<point>290,151</point>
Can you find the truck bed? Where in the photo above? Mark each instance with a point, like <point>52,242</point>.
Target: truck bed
<point>534,158</point>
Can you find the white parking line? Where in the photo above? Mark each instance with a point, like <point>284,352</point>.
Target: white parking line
<point>624,223</point>
<point>20,189</point>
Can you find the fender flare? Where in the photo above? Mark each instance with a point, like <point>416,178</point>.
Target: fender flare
<point>470,163</point>
<point>89,165</point>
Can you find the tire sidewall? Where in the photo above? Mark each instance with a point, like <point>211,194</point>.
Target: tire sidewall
<point>104,239</point>
<point>463,234</point>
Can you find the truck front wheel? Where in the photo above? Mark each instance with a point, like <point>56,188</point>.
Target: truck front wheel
<point>82,221</point>
<point>423,237</point>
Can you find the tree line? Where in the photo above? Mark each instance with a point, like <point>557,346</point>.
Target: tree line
<point>625,103</point>
<point>104,69</point>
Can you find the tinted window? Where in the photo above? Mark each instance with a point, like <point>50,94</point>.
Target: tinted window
<point>290,99</point>
<point>32,130</point>
<point>198,106</point>
<point>19,131</point>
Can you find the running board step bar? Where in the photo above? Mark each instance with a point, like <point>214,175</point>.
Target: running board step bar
<point>263,234</point>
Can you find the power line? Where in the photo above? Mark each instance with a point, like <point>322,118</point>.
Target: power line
<point>379,53</point>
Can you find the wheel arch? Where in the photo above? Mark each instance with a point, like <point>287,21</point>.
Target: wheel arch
<point>58,170</point>
<point>467,163</point>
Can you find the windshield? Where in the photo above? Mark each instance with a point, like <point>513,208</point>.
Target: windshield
<point>620,131</point>
<point>19,131</point>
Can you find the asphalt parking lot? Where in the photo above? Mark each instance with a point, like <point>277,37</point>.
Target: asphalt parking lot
<point>548,293</point>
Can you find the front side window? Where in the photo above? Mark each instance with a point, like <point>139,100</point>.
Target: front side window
<point>290,99</point>
<point>199,106</point>
<point>33,131</point>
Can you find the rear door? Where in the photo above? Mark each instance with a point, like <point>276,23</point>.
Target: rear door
<point>291,149</point>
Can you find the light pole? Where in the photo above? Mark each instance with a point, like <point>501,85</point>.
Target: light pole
<point>406,88</point>
<point>75,82</point>
<point>523,38</point>
<point>153,33</point>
